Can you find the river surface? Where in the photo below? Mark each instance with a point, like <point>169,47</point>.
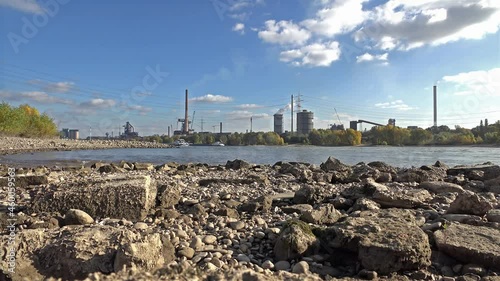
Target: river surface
<point>396,156</point>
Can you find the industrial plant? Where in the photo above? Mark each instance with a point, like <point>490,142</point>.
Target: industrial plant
<point>72,134</point>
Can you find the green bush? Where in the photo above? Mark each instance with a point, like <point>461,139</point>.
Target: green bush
<point>25,121</point>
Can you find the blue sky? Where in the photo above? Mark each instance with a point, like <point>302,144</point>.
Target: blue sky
<point>99,63</point>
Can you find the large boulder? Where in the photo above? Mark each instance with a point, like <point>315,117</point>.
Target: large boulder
<point>24,248</point>
<point>397,196</point>
<point>168,196</point>
<point>308,194</point>
<point>472,204</point>
<point>25,180</point>
<point>493,185</point>
<point>237,164</point>
<point>148,253</point>
<point>384,241</point>
<point>470,244</point>
<point>422,174</point>
<point>324,214</point>
<point>340,171</point>
<point>296,240</point>
<point>479,172</point>
<point>441,187</point>
<point>114,196</point>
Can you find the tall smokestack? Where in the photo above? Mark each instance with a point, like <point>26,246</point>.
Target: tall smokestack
<point>221,127</point>
<point>186,122</point>
<point>291,127</point>
<point>435,106</point>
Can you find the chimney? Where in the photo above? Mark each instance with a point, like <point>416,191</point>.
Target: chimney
<point>220,127</point>
<point>186,121</point>
<point>435,105</point>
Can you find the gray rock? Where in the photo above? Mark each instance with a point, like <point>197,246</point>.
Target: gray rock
<point>385,241</point>
<point>186,252</point>
<point>474,269</point>
<point>77,217</point>
<point>243,257</point>
<point>421,175</point>
<point>325,214</point>
<point>301,267</point>
<point>144,167</point>
<point>470,203</point>
<point>364,204</point>
<point>237,164</point>
<point>25,180</point>
<point>308,194</point>
<point>169,196</point>
<point>295,240</point>
<point>298,208</point>
<point>488,172</point>
<point>268,264</point>
<point>441,187</point>
<point>237,225</point>
<point>493,215</point>
<point>282,265</point>
<point>493,185</point>
<point>85,250</point>
<point>148,253</point>
<point>397,198</point>
<point>113,196</point>
<point>470,244</point>
<point>263,203</point>
<point>228,212</point>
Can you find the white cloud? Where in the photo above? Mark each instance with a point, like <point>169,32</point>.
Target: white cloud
<point>406,24</point>
<point>484,83</point>
<point>369,57</point>
<point>209,98</point>
<point>142,110</point>
<point>34,96</point>
<point>248,106</point>
<point>53,87</point>
<point>98,103</point>
<point>240,28</point>
<point>245,114</point>
<point>397,105</point>
<point>340,17</point>
<point>284,33</point>
<point>317,54</point>
<point>396,25</point>
<point>27,6</point>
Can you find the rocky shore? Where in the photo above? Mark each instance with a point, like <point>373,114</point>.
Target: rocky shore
<point>239,221</point>
<point>13,145</point>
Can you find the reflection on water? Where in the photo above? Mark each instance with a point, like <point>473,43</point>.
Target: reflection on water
<point>396,156</point>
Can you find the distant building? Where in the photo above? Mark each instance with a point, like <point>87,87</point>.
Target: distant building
<point>73,134</point>
<point>305,122</point>
<point>412,127</point>
<point>278,123</point>
<point>336,127</point>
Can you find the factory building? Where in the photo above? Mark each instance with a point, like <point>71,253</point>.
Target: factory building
<point>305,122</point>
<point>70,134</point>
<point>278,123</point>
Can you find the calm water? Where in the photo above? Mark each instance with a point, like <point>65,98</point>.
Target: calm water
<point>396,156</point>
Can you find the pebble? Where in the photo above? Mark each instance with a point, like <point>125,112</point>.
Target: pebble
<point>243,258</point>
<point>141,226</point>
<point>237,225</point>
<point>301,267</point>
<point>209,239</point>
<point>196,243</point>
<point>268,264</point>
<point>187,252</point>
<point>282,265</point>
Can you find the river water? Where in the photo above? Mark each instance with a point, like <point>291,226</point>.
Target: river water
<point>396,156</point>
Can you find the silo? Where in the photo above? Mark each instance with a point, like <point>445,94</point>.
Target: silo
<point>74,134</point>
<point>278,123</point>
<point>305,122</point>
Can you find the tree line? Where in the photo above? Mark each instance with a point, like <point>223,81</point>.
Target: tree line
<point>25,121</point>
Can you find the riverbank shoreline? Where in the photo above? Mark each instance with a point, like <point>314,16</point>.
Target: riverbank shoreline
<point>242,221</point>
<point>17,145</point>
